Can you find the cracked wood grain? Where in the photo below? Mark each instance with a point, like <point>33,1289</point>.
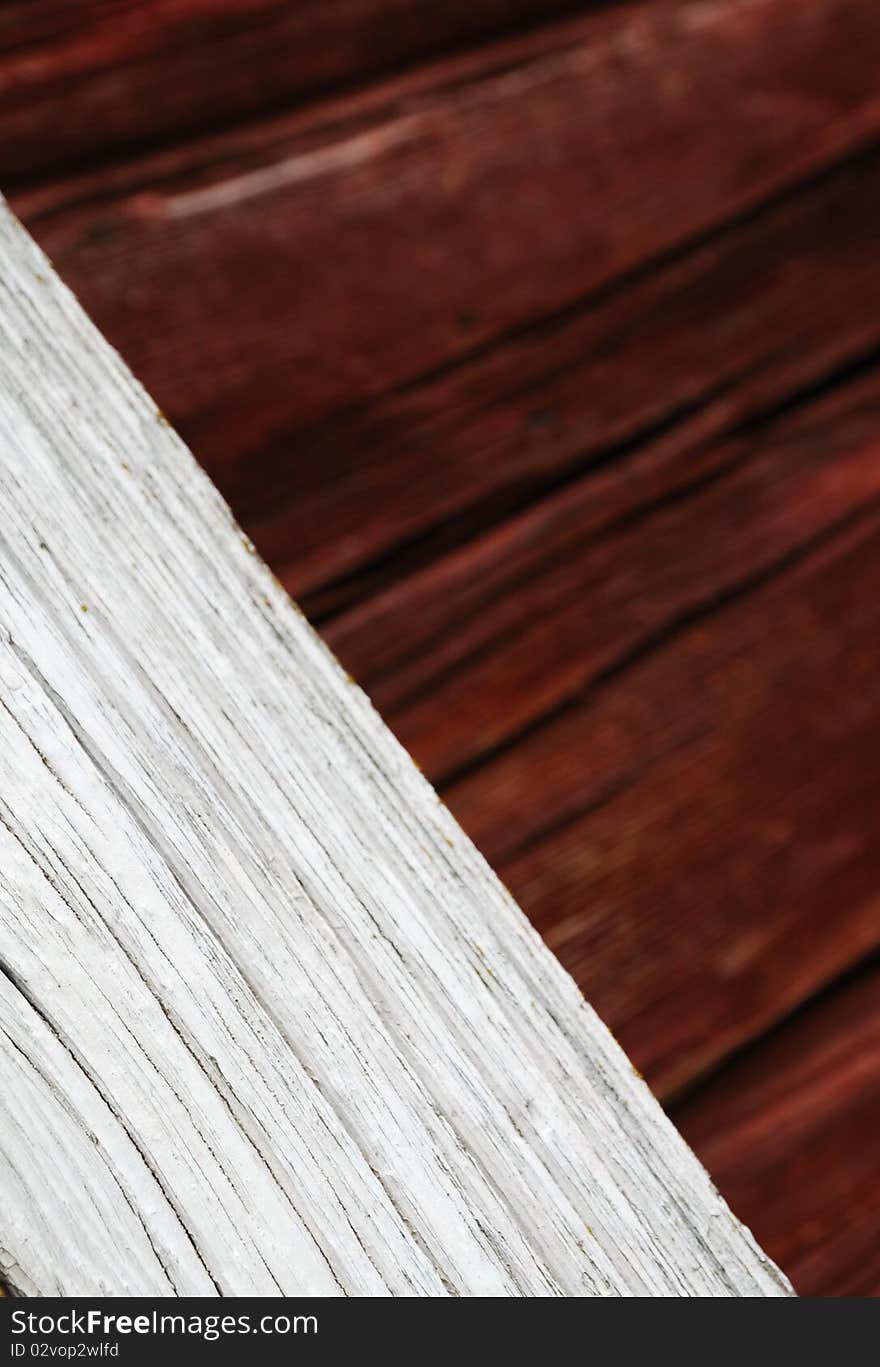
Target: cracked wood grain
<point>268,1023</point>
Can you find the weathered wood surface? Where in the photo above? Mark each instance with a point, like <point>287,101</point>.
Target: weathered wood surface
<point>269,1022</point>
<point>638,682</point>
<point>790,1131</point>
<point>80,81</point>
<point>535,440</point>
<point>724,876</point>
<point>495,634</point>
<point>463,202</point>
<point>763,311</point>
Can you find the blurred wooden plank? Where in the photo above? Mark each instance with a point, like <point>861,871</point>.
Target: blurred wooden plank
<point>768,307</point>
<point>694,827</point>
<point>266,282</point>
<point>88,78</point>
<point>789,1132</point>
<point>548,606</point>
<point>698,348</point>
<point>717,862</point>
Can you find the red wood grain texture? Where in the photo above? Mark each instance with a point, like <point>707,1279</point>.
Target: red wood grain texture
<point>693,349</point>
<point>591,598</point>
<point>275,280</point>
<point>766,307</point>
<point>790,1134</point>
<point>81,81</point>
<point>727,865</point>
<point>695,831</point>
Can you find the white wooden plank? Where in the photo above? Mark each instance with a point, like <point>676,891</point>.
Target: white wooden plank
<point>268,1023</point>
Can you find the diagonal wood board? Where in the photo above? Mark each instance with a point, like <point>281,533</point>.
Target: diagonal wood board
<point>268,1022</point>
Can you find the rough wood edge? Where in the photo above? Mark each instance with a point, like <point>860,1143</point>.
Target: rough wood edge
<point>270,1024</point>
